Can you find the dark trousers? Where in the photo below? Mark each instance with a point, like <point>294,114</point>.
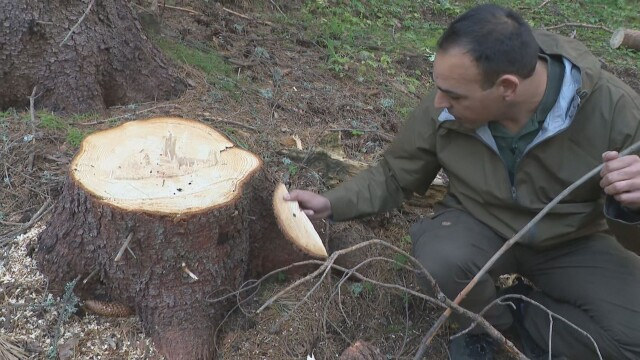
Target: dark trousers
<point>593,282</point>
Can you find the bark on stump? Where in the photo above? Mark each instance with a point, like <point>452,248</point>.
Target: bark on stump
<point>626,38</point>
<point>183,197</point>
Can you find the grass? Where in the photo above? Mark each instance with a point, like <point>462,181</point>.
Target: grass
<point>370,35</point>
<point>51,121</point>
<point>611,14</point>
<point>216,70</point>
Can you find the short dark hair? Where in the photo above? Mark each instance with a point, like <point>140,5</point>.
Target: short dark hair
<point>497,39</point>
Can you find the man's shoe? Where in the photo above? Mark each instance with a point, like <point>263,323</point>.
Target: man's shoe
<point>528,345</point>
<point>472,347</point>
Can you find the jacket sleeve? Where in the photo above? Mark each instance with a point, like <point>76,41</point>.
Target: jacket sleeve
<point>624,133</point>
<point>409,165</point>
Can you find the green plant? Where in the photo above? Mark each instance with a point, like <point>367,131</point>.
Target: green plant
<point>201,57</point>
<point>370,34</point>
<point>67,308</point>
<point>399,261</point>
<point>74,136</point>
<point>50,121</point>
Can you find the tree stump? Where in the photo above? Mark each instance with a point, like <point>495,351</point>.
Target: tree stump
<point>625,37</point>
<point>161,209</point>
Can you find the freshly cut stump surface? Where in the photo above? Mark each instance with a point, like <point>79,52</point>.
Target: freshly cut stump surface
<point>159,211</point>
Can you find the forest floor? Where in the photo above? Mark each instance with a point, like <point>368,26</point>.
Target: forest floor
<point>283,81</point>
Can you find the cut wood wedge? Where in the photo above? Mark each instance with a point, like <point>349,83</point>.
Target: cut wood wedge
<point>295,224</point>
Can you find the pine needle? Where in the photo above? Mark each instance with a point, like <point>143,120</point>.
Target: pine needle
<point>9,351</point>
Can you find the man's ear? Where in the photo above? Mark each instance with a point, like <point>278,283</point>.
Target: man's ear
<point>507,86</point>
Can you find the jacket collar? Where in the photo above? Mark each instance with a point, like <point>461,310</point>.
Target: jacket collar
<point>577,53</point>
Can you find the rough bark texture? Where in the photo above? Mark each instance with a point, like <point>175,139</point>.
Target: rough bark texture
<point>107,60</point>
<point>85,234</point>
<point>270,250</point>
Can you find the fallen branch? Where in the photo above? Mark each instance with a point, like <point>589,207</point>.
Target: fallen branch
<point>500,301</point>
<point>218,119</point>
<point>588,26</point>
<point>246,17</point>
<point>325,266</point>
<point>126,115</point>
<point>78,23</point>
<point>507,245</point>
<point>32,101</point>
<point>180,9</point>
<point>6,238</point>
<point>545,2</point>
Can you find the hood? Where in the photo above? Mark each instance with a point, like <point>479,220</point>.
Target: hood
<point>577,53</point>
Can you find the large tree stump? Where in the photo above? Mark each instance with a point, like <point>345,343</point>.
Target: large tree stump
<point>163,210</point>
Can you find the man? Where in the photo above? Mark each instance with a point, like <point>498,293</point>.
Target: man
<point>516,118</point>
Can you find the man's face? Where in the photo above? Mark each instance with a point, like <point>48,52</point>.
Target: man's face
<point>459,83</point>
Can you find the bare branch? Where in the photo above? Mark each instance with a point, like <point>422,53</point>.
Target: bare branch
<point>78,23</point>
<point>588,26</point>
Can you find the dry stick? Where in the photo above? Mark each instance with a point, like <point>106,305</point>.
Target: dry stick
<point>125,115</point>
<point>232,123</point>
<point>32,101</point>
<point>330,262</point>
<point>277,7</point>
<point>123,247</point>
<point>93,273</point>
<point>44,209</point>
<point>442,300</point>
<point>588,26</point>
<point>429,336</point>
<point>181,9</point>
<point>545,2</point>
<point>246,17</point>
<point>78,23</point>
<point>501,301</point>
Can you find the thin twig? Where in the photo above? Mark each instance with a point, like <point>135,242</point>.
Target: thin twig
<point>588,26</point>
<point>123,247</point>
<point>32,101</point>
<point>44,209</point>
<point>441,300</point>
<point>277,7</point>
<point>93,273</point>
<point>181,9</point>
<point>246,17</point>
<point>218,119</point>
<point>507,245</point>
<point>503,300</point>
<point>78,23</point>
<point>125,115</point>
<point>545,2</point>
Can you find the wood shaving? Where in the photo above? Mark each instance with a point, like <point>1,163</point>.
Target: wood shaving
<point>29,315</point>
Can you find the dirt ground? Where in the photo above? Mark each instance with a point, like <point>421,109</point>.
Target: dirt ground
<point>306,102</point>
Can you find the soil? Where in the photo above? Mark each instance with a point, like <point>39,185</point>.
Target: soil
<point>308,102</point>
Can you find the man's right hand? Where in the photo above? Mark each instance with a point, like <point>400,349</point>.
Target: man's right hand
<point>314,205</point>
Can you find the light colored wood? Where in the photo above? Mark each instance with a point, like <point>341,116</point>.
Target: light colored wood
<point>626,38</point>
<point>295,224</point>
<point>162,165</point>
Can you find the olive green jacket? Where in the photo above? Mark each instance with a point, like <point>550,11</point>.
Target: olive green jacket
<point>595,112</point>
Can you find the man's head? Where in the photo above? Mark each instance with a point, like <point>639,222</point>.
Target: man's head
<point>481,60</point>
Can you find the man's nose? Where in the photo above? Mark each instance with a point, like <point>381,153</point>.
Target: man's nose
<point>441,100</point>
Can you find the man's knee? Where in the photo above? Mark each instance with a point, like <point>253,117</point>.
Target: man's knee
<point>446,264</point>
